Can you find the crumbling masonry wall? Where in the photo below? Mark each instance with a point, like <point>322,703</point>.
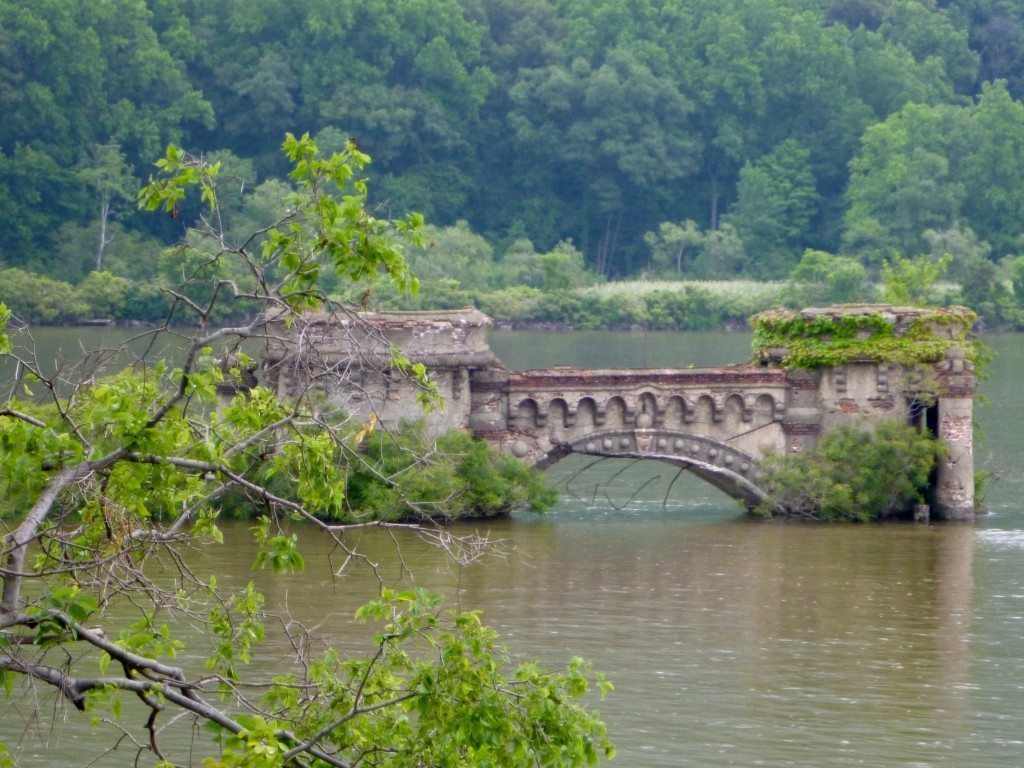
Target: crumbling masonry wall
<point>717,422</point>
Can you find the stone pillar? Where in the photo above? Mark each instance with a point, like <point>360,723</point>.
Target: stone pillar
<point>953,496</point>
<point>801,423</point>
<point>954,483</point>
<point>488,394</point>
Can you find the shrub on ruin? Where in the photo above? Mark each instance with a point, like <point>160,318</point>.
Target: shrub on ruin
<point>853,475</point>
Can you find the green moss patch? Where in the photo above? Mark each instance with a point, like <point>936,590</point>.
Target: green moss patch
<point>817,338</point>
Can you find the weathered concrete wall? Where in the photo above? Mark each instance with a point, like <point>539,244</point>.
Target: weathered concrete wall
<point>860,391</point>
<point>936,395</point>
<point>801,424</point>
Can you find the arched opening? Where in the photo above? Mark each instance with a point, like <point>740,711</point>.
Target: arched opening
<point>703,415</point>
<point>722,466</point>
<point>586,417</point>
<point>526,413</point>
<point>732,421</point>
<point>764,410</point>
<point>675,413</point>
<point>639,486</point>
<point>615,413</point>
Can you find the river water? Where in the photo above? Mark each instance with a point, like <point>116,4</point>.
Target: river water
<point>731,641</point>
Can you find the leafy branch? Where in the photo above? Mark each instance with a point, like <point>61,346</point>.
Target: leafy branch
<point>109,473</point>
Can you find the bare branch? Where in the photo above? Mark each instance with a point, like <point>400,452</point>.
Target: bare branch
<point>25,532</point>
<point>23,417</point>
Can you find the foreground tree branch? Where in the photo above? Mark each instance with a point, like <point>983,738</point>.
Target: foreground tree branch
<point>112,469</point>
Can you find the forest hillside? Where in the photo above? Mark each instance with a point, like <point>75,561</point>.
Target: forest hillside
<point>551,143</point>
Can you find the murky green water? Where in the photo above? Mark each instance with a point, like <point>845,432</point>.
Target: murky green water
<point>731,642</point>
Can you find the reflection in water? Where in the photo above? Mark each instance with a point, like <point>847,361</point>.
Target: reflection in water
<point>738,642</point>
<point>732,642</point>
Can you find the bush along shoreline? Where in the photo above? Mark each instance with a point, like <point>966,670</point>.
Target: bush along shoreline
<point>401,475</point>
<point>852,475</point>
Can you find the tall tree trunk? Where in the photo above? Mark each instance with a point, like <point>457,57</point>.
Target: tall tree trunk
<point>609,243</point>
<point>104,242</point>
<point>713,224</point>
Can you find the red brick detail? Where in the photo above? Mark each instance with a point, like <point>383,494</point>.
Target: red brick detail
<point>801,427</point>
<point>582,379</point>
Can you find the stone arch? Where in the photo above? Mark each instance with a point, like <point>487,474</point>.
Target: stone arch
<point>727,468</point>
<point>703,415</point>
<point>734,413</point>
<point>558,413</point>
<point>764,410</point>
<point>586,416</point>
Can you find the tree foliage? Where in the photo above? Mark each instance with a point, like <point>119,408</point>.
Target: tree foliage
<point>401,475</point>
<point>108,472</point>
<point>823,278</point>
<point>909,282</point>
<point>853,474</point>
<point>776,201</point>
<point>847,126</point>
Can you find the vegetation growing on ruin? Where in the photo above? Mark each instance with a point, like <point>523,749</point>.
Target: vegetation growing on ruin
<point>458,476</point>
<point>401,475</point>
<point>853,475</point>
<point>795,340</point>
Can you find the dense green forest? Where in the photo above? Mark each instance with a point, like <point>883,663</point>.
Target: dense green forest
<point>550,142</point>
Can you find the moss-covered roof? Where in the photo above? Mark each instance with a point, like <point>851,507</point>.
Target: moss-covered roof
<point>826,336</point>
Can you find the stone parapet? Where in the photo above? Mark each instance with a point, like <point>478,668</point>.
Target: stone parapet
<point>441,339</point>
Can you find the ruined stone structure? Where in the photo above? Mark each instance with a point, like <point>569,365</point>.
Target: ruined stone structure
<point>718,423</point>
<point>350,358</point>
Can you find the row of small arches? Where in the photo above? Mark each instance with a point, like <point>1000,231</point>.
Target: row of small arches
<point>645,411</point>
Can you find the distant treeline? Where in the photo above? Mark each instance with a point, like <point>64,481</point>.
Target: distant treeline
<point>703,139</point>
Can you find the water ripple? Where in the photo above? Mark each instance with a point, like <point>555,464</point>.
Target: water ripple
<point>1004,539</point>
